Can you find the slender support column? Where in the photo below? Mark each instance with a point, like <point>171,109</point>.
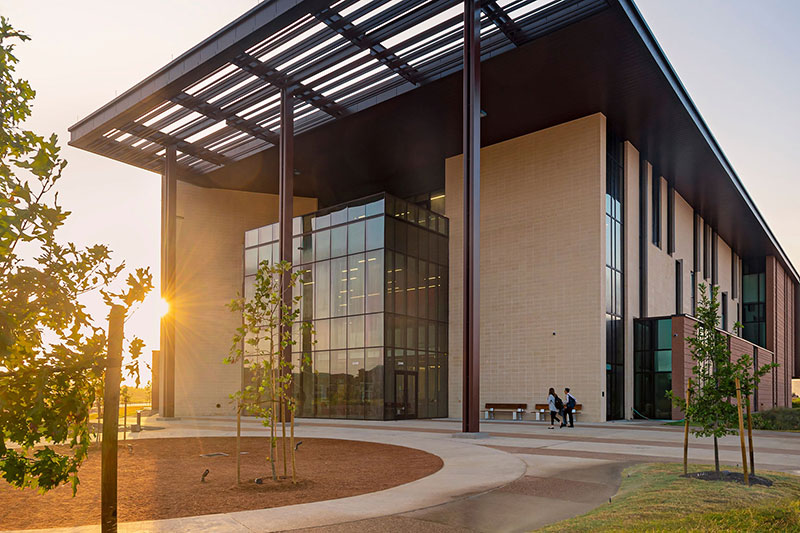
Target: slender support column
<point>472,216</point>
<point>168,281</point>
<point>286,197</point>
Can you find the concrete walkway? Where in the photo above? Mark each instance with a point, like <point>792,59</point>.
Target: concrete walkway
<point>521,477</point>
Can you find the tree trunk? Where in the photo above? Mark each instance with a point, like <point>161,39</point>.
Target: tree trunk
<point>716,454</point>
<point>294,468</point>
<point>283,435</point>
<point>750,438</point>
<point>239,442</point>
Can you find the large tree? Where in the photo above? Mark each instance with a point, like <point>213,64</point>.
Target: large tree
<point>52,354</point>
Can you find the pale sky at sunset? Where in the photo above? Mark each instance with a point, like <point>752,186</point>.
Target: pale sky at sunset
<point>739,60</point>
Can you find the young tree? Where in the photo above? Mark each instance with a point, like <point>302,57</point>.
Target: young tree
<point>52,355</point>
<point>714,374</point>
<point>259,344</point>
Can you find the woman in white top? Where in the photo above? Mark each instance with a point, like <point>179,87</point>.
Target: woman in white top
<point>551,401</point>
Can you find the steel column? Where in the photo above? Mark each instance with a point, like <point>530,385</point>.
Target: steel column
<point>472,216</point>
<point>286,198</point>
<point>168,279</point>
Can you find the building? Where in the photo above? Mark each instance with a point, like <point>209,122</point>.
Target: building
<point>597,202</point>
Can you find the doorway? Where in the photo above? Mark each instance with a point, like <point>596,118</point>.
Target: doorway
<point>405,394</point>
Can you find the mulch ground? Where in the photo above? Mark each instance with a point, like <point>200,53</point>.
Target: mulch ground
<point>725,475</point>
<point>160,478</point>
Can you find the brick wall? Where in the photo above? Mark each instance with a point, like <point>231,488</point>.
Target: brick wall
<point>682,363</point>
<point>781,328</point>
<point>542,267</point>
<point>210,248</point>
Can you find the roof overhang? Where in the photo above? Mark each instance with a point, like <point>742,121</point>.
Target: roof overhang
<point>378,91</point>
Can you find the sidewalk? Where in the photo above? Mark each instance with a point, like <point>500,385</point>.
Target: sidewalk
<point>521,477</point>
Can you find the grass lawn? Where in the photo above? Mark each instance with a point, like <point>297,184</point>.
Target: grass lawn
<point>654,498</point>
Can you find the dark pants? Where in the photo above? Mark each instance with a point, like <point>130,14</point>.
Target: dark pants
<point>568,414</point>
<point>553,417</point>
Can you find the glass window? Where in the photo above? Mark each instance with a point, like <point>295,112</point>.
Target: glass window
<point>338,241</point>
<point>249,287</point>
<point>322,244</point>
<point>665,334</point>
<point>320,222</point>
<point>308,249</point>
<point>374,330</point>
<point>322,289</point>
<point>389,277</point>
<point>338,217</point>
<point>355,331</point>
<point>250,261</point>
<point>297,247</point>
<point>375,208</point>
<point>374,281</point>
<point>250,238</point>
<point>322,375</point>
<point>322,329</point>
<point>355,384</point>
<point>356,283</point>
<point>374,233</point>
<point>265,235</point>
<point>399,283</point>
<point>339,276</point>
<point>355,237</point>
<point>422,289</point>
<point>412,286</point>
<point>373,384</point>
<point>338,333</point>
<point>338,388</point>
<point>356,212</point>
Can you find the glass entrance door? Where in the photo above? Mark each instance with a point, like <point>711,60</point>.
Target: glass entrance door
<point>405,394</point>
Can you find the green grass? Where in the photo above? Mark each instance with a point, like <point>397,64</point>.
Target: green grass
<point>131,413</point>
<point>654,498</point>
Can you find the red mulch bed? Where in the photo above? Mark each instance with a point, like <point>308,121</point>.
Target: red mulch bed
<point>161,479</point>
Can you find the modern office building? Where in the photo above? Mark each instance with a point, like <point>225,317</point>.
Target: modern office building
<point>596,203</point>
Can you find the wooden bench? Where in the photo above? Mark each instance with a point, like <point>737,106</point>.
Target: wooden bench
<point>542,411</point>
<point>516,410</point>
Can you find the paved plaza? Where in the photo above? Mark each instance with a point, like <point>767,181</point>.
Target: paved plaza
<point>521,476</point>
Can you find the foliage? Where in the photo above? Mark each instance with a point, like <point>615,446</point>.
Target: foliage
<point>713,385</point>
<point>653,497</point>
<point>51,352</point>
<point>796,403</point>
<point>258,344</point>
<point>778,419</point>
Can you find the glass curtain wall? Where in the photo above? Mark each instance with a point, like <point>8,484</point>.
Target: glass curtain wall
<point>652,365</point>
<point>371,268</point>
<point>615,353</point>
<point>754,302</point>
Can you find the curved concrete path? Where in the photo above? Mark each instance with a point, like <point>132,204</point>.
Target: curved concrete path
<point>468,470</point>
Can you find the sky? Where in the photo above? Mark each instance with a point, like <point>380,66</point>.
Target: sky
<point>738,59</point>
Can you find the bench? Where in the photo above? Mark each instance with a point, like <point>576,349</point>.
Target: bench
<point>542,411</point>
<point>516,410</point>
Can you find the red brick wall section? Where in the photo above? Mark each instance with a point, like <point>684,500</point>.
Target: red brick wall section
<point>682,363</point>
<point>780,330</point>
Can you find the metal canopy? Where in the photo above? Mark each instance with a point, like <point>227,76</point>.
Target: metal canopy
<point>220,102</point>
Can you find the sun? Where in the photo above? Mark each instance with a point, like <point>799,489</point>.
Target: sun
<point>163,307</point>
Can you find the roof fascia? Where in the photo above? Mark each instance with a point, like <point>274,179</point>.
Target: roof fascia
<point>640,25</point>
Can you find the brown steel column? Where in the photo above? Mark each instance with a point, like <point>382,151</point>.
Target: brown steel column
<point>168,281</point>
<point>286,197</point>
<point>472,216</point>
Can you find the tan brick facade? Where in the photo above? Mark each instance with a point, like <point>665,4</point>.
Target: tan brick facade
<point>210,244</point>
<point>542,267</point>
